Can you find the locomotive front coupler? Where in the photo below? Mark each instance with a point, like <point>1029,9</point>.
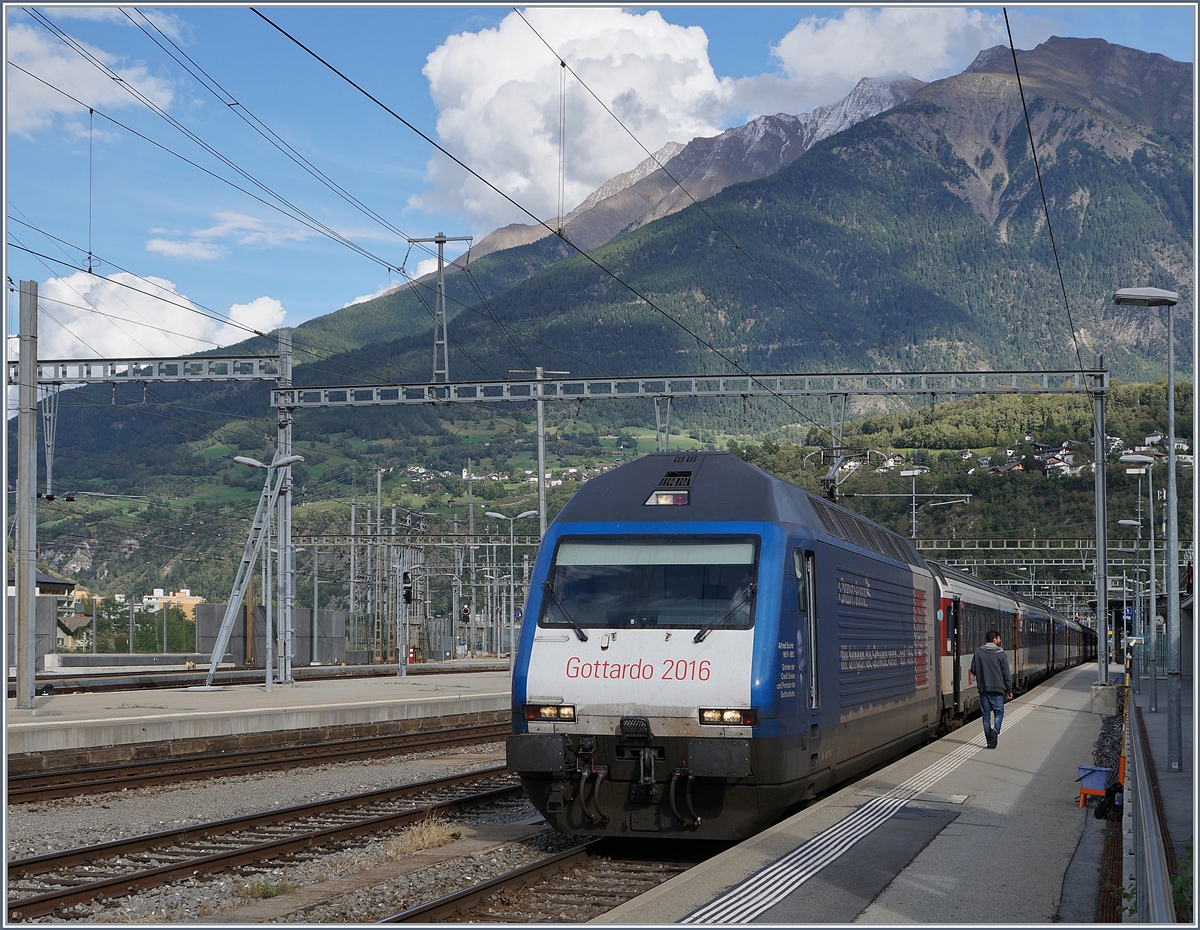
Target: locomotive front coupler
<point>586,768</point>
<point>682,773</point>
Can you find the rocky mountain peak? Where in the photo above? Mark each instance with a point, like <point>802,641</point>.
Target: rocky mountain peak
<point>678,175</point>
<point>1113,81</point>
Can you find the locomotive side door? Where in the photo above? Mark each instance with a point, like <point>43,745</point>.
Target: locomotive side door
<point>804,565</point>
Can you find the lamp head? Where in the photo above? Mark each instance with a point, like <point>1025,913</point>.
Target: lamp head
<point>1145,297</point>
<point>494,515</point>
<point>1136,459</point>
<point>527,513</point>
<point>246,460</point>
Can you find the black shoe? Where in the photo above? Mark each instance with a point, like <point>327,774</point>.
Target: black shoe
<point>995,738</point>
<point>991,739</point>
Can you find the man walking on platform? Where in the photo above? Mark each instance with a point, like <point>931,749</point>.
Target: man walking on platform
<point>992,676</point>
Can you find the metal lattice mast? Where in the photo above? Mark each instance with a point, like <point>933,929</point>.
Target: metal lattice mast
<point>441,358</point>
<point>49,431</point>
<point>287,556</point>
<point>662,422</point>
<point>258,531</point>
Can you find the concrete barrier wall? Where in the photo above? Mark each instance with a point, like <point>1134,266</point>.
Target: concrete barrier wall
<point>86,660</point>
<point>331,635</point>
<point>46,611</point>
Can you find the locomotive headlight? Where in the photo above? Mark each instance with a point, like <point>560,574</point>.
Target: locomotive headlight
<point>565,712</point>
<point>746,717</point>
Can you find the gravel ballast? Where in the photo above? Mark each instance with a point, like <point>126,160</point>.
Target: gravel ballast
<point>42,827</point>
<point>47,826</point>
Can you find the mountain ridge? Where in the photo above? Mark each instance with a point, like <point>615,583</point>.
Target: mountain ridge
<point>963,135</point>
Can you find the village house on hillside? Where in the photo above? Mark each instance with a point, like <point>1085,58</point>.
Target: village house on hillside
<point>183,599</point>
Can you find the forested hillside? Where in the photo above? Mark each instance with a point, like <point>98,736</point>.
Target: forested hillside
<point>913,240</point>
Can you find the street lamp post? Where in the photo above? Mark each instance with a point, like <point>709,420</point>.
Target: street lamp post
<point>1156,297</point>
<point>1137,574</point>
<point>313,660</point>
<point>1032,579</point>
<point>1147,462</point>
<point>913,474</point>
<point>512,574</point>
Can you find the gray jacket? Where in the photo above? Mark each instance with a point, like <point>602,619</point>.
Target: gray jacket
<point>990,668</point>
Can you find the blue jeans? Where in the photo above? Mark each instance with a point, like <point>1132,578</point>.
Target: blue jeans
<point>991,704</point>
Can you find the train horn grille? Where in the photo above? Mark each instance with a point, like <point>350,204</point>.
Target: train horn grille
<point>635,728</point>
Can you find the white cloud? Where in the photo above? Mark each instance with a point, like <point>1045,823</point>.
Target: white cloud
<point>32,105</point>
<point>823,57</point>
<point>167,23</point>
<point>383,289</point>
<point>262,314</point>
<point>426,266</point>
<point>192,248</point>
<point>250,230</point>
<point>240,229</point>
<point>497,92</point>
<point>924,42</point>
<point>91,316</point>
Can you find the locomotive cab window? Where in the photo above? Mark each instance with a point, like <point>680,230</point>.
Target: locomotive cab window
<point>652,583</point>
<point>801,581</point>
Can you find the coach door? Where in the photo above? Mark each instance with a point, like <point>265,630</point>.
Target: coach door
<point>1017,640</point>
<point>956,625</point>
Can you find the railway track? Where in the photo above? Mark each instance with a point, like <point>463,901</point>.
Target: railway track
<point>42,786</point>
<point>51,883</point>
<point>574,886</point>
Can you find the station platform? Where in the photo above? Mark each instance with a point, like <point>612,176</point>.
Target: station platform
<point>196,715</point>
<point>1178,789</point>
<point>953,833</point>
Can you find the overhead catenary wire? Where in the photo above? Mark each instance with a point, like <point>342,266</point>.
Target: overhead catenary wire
<point>1045,206</point>
<point>91,114</point>
<point>239,109</point>
<point>736,245</point>
<point>315,350</point>
<point>206,312</point>
<point>295,213</point>
<point>538,220</point>
<point>297,217</point>
<point>92,308</point>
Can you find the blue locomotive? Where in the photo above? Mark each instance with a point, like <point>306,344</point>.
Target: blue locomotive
<point>705,646</point>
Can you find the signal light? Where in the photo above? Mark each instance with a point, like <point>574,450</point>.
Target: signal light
<point>559,712</point>
<point>747,717</point>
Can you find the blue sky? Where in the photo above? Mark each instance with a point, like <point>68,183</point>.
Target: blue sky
<point>479,80</point>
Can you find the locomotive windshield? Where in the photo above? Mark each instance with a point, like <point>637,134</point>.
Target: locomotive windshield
<point>652,582</point>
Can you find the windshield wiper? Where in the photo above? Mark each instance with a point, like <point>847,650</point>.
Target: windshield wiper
<point>549,589</point>
<point>742,597</point>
